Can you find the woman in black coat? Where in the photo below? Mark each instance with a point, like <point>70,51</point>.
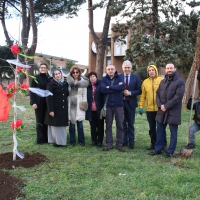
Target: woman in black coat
<point>39,103</point>
<point>57,110</point>
<point>95,104</point>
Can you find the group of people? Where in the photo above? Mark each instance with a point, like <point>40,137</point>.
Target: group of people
<point>79,98</point>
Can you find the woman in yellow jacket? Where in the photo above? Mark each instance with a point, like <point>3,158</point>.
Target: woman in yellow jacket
<point>148,98</point>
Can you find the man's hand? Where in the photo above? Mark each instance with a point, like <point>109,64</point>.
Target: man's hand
<point>34,106</point>
<point>126,93</point>
<point>51,114</point>
<point>162,107</point>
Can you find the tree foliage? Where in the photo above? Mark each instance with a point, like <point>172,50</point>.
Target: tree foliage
<point>160,31</point>
<point>69,64</point>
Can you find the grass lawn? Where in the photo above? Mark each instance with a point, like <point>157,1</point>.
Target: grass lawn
<point>89,173</point>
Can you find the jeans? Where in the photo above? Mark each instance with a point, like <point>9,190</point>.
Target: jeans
<point>194,128</point>
<point>72,134</point>
<point>160,135</point>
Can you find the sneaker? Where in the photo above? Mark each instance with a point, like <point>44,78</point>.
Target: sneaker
<point>190,146</point>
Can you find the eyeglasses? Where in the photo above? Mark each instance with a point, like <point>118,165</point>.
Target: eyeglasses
<point>43,68</point>
<point>75,72</point>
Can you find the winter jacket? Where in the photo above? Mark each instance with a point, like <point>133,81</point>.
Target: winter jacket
<point>77,95</point>
<point>170,94</point>
<point>149,88</point>
<point>196,108</point>
<point>58,104</point>
<point>115,91</point>
<point>98,97</point>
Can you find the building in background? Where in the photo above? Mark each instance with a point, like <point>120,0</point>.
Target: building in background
<point>115,52</point>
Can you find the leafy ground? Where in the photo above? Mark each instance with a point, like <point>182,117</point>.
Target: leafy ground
<point>89,173</point>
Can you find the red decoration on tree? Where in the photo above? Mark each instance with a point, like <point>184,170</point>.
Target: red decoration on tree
<point>24,88</point>
<point>11,89</point>
<point>20,70</point>
<point>15,49</point>
<point>18,125</point>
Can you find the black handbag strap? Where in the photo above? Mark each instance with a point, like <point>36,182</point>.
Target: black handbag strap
<point>108,94</point>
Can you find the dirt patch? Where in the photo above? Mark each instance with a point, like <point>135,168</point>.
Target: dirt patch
<point>10,187</point>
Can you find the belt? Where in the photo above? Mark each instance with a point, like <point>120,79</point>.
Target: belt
<point>125,100</point>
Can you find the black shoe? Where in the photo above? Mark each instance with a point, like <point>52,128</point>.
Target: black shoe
<point>131,146</point>
<point>167,155</point>
<point>153,153</point>
<point>121,149</point>
<point>58,145</point>
<point>81,144</point>
<point>151,147</point>
<point>94,144</point>
<point>190,146</point>
<point>99,144</point>
<point>125,144</point>
<point>73,145</point>
<point>107,148</point>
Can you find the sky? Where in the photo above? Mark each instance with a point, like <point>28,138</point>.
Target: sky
<point>68,38</point>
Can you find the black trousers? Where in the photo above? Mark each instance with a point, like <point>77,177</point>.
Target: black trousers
<point>41,128</point>
<point>151,116</point>
<point>97,128</point>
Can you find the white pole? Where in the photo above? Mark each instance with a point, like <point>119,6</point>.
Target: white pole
<point>191,108</point>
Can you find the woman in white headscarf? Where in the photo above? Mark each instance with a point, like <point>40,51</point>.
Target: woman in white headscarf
<point>57,110</point>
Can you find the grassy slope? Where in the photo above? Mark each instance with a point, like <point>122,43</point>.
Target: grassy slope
<point>89,173</point>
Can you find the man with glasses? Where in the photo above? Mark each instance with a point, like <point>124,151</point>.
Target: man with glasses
<point>112,85</point>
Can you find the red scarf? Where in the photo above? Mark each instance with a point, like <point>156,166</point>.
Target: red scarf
<point>94,107</point>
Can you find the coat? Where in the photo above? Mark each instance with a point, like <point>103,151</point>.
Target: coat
<point>77,97</point>
<point>149,88</point>
<point>98,99</point>
<point>115,91</point>
<point>196,108</point>
<point>170,94</point>
<point>134,87</point>
<point>58,104</point>
<point>34,98</point>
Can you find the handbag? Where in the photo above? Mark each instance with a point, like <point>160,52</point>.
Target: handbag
<point>103,110</point>
<point>83,106</point>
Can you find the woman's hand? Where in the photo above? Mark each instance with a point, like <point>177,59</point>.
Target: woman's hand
<point>34,106</point>
<point>51,114</point>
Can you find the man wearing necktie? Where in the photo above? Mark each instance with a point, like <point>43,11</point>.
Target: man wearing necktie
<point>133,88</point>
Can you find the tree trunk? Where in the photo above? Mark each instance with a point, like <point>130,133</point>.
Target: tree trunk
<point>195,67</point>
<point>100,60</point>
<point>102,41</point>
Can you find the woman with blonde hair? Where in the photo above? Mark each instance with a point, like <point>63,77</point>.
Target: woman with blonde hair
<point>77,104</point>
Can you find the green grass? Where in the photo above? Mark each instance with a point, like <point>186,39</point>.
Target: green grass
<point>89,173</point>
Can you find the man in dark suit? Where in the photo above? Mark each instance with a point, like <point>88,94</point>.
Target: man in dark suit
<point>133,88</point>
